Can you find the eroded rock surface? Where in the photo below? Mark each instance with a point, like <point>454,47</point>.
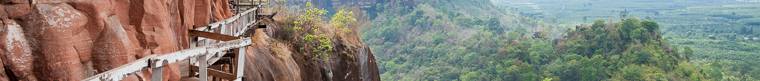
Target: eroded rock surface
<point>273,59</point>
<point>73,39</point>
<point>69,40</point>
<point>17,51</point>
<point>57,59</point>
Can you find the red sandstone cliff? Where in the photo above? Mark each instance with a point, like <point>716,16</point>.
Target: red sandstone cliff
<point>73,39</point>
<point>63,40</point>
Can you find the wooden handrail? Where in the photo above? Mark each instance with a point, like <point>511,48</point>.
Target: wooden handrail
<point>206,54</point>
<point>162,59</point>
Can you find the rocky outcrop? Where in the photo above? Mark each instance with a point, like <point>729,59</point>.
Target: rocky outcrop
<point>16,50</point>
<point>72,39</point>
<point>51,23</point>
<point>270,61</point>
<point>65,40</point>
<point>280,59</point>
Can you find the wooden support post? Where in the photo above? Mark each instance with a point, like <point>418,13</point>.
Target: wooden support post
<point>158,71</point>
<point>202,70</point>
<point>157,74</point>
<point>240,66</point>
<point>237,8</point>
<point>233,63</point>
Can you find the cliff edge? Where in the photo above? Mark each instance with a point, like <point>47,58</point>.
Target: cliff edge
<point>64,40</point>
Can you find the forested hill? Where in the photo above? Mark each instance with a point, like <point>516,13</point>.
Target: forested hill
<point>443,39</point>
<point>476,41</point>
<point>628,50</point>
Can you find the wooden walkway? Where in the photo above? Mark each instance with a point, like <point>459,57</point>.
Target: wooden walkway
<point>217,51</point>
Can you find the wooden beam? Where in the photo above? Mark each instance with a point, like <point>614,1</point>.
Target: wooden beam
<point>216,73</point>
<point>223,60</point>
<point>204,50</point>
<point>210,35</point>
<point>221,74</point>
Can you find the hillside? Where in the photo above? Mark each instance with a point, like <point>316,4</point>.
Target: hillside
<point>480,41</point>
<point>722,33</point>
<point>443,40</point>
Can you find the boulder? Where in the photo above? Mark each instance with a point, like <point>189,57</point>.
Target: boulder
<point>16,50</point>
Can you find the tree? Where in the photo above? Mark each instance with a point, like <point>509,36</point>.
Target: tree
<point>471,76</point>
<point>687,52</point>
<point>628,26</point>
<point>342,19</point>
<point>309,18</point>
<point>651,26</point>
<point>323,46</point>
<point>306,24</point>
<point>631,73</point>
<point>598,26</point>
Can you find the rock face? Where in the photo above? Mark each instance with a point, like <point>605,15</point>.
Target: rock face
<point>65,40</point>
<point>54,40</point>
<point>16,50</point>
<point>58,60</point>
<point>272,59</point>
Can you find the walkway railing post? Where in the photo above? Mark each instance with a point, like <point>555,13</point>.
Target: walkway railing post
<point>240,25</point>
<point>202,65</point>
<point>158,71</point>
<point>240,63</point>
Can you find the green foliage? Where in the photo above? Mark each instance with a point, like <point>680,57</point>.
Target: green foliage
<point>323,47</point>
<point>714,31</point>
<point>691,72</point>
<point>309,18</point>
<point>471,76</point>
<point>548,79</point>
<point>342,19</point>
<point>588,54</point>
<point>640,73</point>
<point>307,25</point>
<point>688,52</point>
<point>418,38</point>
<point>428,40</point>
